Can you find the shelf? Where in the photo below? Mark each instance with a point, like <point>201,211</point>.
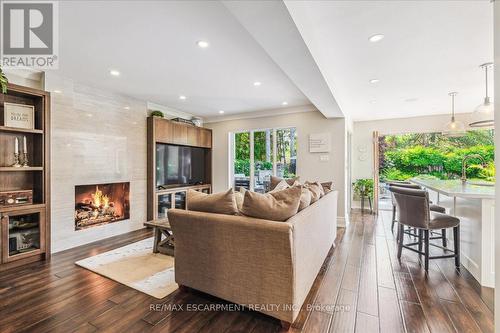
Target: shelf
<point>21,169</point>
<point>20,130</point>
<point>18,208</point>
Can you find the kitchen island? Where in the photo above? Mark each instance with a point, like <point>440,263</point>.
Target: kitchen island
<point>474,204</point>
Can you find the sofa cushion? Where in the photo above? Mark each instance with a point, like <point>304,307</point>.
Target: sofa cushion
<point>305,198</point>
<point>327,186</point>
<point>239,196</point>
<point>319,186</point>
<point>282,185</point>
<point>275,206</point>
<point>275,181</point>
<point>315,190</point>
<point>218,203</point>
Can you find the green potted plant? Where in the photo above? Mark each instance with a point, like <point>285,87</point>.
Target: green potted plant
<point>363,188</point>
<point>3,81</point>
<point>158,114</point>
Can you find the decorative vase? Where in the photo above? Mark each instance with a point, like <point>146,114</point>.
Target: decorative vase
<point>196,121</point>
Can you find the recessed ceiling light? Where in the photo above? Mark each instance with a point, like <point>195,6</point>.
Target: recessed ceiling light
<point>409,100</point>
<point>114,72</point>
<point>58,91</point>
<point>284,103</point>
<point>373,101</point>
<point>202,43</point>
<point>376,38</point>
<point>182,97</point>
<point>89,115</point>
<point>257,83</point>
<point>374,81</point>
<point>221,111</point>
<point>126,107</point>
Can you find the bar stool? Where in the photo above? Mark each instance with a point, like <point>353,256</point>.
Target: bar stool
<point>414,211</point>
<point>434,208</point>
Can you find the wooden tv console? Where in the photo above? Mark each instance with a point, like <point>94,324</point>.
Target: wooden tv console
<point>170,132</point>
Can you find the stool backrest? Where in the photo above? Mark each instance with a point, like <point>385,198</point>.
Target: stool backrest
<point>401,184</point>
<point>412,205</point>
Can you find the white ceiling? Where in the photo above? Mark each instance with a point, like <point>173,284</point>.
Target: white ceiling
<point>430,48</point>
<point>153,45</point>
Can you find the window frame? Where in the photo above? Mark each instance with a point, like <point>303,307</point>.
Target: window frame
<point>232,151</point>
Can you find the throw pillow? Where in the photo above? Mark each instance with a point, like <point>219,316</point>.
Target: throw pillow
<point>238,196</point>
<point>276,206</point>
<point>218,203</point>
<point>320,187</point>
<point>282,185</point>
<point>327,186</point>
<point>305,198</point>
<point>276,180</point>
<point>315,192</point>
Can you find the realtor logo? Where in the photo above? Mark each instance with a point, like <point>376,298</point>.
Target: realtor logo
<point>29,34</point>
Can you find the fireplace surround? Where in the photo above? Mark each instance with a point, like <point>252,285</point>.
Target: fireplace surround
<point>99,204</point>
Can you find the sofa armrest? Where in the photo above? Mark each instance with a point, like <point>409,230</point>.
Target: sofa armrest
<point>240,259</point>
<point>314,232</point>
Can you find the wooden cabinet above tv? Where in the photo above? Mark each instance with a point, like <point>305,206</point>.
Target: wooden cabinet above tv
<point>167,131</point>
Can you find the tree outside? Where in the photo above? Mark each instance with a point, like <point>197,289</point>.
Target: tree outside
<point>286,154</point>
<point>435,155</point>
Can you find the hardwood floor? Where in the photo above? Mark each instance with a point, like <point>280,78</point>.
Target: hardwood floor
<point>361,288</point>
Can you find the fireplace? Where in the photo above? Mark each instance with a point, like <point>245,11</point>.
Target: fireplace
<point>101,204</point>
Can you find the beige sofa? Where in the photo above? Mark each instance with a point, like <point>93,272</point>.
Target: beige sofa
<point>266,265</point>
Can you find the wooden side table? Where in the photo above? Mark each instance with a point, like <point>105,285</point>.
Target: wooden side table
<point>162,227</point>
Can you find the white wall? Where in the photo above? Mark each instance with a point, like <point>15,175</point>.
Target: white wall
<point>362,149</point>
<point>309,166</point>
<point>94,140</point>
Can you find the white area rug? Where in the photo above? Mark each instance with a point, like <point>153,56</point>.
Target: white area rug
<point>136,266</point>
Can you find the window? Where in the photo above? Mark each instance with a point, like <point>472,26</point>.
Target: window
<point>256,155</point>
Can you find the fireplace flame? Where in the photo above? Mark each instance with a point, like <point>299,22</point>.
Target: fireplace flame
<point>99,199</point>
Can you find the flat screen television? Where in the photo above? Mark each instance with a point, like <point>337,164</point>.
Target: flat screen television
<point>179,165</point>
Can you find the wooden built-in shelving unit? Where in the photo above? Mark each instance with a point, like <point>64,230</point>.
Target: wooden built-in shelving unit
<point>171,132</point>
<point>25,221</point>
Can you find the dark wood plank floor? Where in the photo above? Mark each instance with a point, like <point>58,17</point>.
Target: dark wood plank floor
<point>361,288</point>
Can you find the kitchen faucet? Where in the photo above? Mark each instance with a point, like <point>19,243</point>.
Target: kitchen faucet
<point>464,165</point>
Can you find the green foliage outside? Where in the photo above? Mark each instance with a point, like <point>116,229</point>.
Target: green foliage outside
<point>263,154</point>
<point>363,188</point>
<point>3,82</point>
<point>406,156</point>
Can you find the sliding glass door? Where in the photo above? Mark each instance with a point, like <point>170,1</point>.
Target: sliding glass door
<point>241,162</point>
<point>258,154</point>
<point>286,154</point>
<point>262,159</point>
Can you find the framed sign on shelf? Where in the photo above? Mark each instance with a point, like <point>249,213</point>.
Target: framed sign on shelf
<point>19,115</point>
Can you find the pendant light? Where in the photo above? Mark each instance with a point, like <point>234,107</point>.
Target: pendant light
<point>453,128</point>
<point>483,115</point>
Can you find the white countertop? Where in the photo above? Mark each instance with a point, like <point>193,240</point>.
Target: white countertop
<point>455,188</point>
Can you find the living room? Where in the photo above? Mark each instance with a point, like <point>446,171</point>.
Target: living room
<point>189,166</point>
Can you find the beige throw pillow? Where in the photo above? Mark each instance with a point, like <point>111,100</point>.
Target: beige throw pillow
<point>320,187</point>
<point>305,198</point>
<point>219,203</point>
<point>315,192</point>
<point>276,180</point>
<point>239,196</point>
<point>327,186</point>
<point>276,206</point>
<point>282,185</point>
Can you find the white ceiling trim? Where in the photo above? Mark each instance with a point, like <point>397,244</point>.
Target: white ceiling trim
<point>262,113</point>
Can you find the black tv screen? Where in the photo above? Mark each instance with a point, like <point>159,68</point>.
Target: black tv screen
<point>179,165</point>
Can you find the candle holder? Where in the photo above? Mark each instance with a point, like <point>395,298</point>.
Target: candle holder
<point>25,160</point>
<point>17,162</point>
